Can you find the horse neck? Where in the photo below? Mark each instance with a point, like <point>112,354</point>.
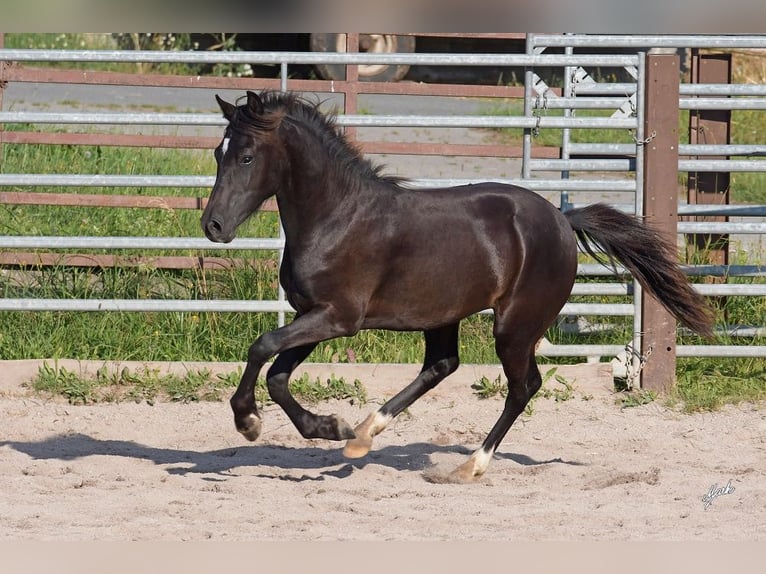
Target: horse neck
<point>321,188</point>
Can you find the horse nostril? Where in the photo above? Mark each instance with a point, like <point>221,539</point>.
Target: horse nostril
<point>213,229</point>
<point>214,226</point>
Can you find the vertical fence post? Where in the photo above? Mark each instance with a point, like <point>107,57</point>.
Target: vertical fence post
<point>350,90</point>
<point>660,208</point>
<point>710,127</point>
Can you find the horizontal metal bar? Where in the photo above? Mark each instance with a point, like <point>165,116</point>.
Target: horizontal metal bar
<point>582,164</point>
<point>721,351</point>
<point>97,180</point>
<point>732,351</point>
<point>722,103</point>
<point>620,309</point>
<point>584,103</point>
<point>729,210</point>
<point>541,122</point>
<point>612,185</point>
<point>272,57</point>
<point>648,41</point>
<point>602,149</point>
<point>547,349</point>
<point>128,118</point>
<point>62,242</point>
<point>722,149</point>
<point>725,270</point>
<point>173,305</point>
<point>342,120</point>
<point>707,227</point>
<point>624,89</point>
<point>707,289</point>
<point>683,149</point>
<point>72,180</point>
<point>716,290</point>
<point>601,289</point>
<point>613,102</point>
<point>737,210</point>
<point>741,331</point>
<point>107,242</point>
<point>145,305</point>
<point>711,165</point>
<point>598,270</point>
<point>722,90</point>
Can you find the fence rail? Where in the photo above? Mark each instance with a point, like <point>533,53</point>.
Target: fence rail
<point>576,168</point>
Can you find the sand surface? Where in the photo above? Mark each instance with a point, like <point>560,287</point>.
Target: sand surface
<point>582,469</point>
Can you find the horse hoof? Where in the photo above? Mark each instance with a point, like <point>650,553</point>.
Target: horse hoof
<point>471,470</point>
<point>361,445</point>
<point>357,448</point>
<point>463,474</point>
<point>365,431</point>
<point>251,427</point>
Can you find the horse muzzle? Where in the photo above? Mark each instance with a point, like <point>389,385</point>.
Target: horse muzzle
<point>216,231</point>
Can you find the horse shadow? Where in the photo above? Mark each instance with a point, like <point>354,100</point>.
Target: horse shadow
<point>223,463</point>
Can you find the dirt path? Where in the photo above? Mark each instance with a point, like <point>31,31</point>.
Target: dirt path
<point>574,470</point>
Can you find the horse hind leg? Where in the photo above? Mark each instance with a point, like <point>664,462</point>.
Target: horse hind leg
<point>517,355</point>
<point>441,360</point>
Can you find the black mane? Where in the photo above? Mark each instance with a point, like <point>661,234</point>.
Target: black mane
<point>281,106</point>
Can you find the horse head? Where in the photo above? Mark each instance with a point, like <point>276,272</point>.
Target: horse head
<point>250,167</point>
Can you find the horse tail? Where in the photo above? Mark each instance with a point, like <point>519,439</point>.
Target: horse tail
<point>650,258</point>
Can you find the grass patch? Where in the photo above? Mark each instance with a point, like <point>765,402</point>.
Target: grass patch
<point>706,385</point>
<point>554,386</point>
<point>148,385</point>
<point>628,399</point>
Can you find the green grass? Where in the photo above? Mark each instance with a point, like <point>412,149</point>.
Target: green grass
<point>148,385</point>
<point>705,385</point>
<point>554,386</point>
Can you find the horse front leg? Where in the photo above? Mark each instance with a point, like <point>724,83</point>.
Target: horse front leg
<point>247,419</point>
<point>295,341</point>
<point>310,425</point>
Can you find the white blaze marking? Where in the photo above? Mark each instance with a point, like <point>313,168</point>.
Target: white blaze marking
<point>225,146</point>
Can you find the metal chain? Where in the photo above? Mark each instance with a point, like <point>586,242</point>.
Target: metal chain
<point>536,112</point>
<point>642,359</point>
<point>644,141</point>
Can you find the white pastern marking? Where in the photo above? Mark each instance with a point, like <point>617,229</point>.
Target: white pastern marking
<point>225,146</point>
<point>379,422</point>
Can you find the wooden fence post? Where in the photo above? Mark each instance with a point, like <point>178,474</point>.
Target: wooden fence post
<point>710,188</point>
<point>660,208</point>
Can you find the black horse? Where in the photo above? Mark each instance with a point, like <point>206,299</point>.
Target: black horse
<point>364,252</point>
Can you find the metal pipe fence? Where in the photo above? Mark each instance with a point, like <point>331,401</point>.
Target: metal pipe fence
<point>580,92</point>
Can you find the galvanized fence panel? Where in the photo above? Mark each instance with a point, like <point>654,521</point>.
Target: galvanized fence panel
<point>543,174</point>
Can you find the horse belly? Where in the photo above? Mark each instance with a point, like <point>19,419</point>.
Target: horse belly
<point>425,297</point>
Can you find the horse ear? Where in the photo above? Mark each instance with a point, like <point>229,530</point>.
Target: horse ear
<point>227,108</point>
<point>255,103</point>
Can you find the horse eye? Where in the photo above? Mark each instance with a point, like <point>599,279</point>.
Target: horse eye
<point>246,160</point>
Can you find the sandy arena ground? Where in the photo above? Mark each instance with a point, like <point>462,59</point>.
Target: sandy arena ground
<point>583,469</point>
